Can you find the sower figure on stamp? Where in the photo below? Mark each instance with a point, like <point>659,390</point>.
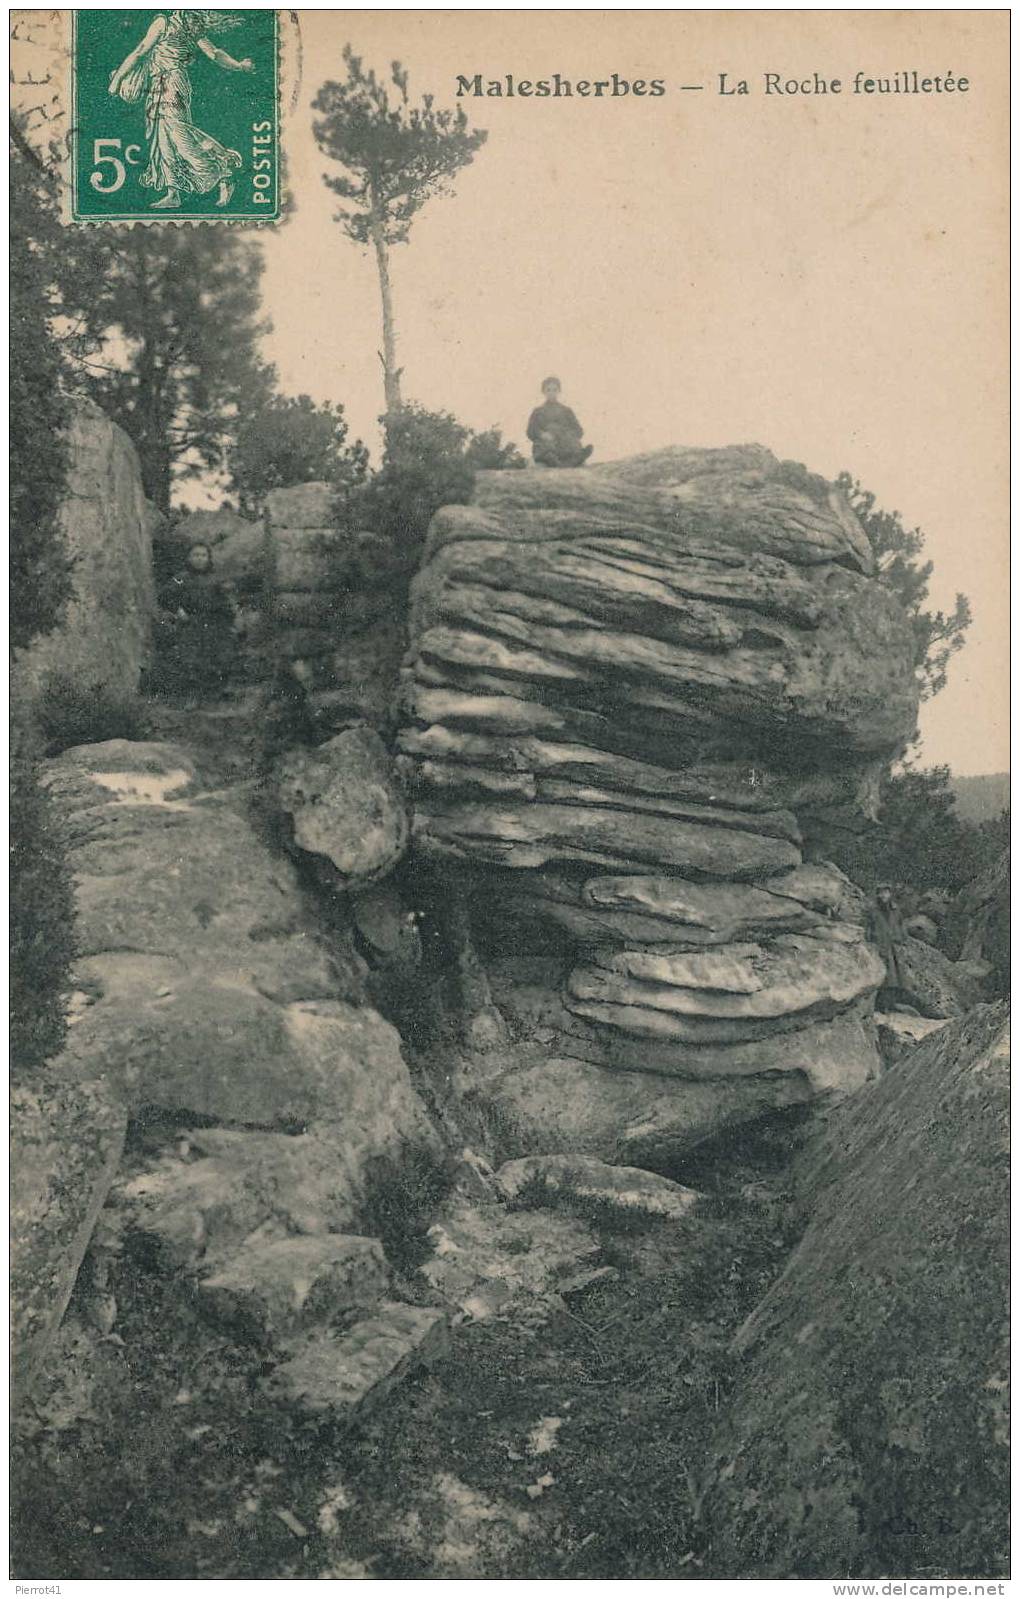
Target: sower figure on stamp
<point>182,159</point>
<point>555,432</point>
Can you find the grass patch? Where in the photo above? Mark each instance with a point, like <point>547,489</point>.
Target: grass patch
<point>403,1193</point>
<point>70,712</point>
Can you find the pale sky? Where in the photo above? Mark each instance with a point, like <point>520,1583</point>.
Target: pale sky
<point>823,275</point>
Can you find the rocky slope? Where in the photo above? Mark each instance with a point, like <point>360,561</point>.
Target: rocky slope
<point>867,1432</point>
<point>634,696</point>
<point>206,1006</point>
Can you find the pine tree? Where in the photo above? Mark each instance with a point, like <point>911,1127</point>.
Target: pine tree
<point>171,321</point>
<point>937,636</point>
<point>396,157</point>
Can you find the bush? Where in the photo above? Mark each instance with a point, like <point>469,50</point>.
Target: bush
<point>918,839</point>
<point>430,460</point>
<point>70,712</point>
<point>938,636</point>
<point>290,441</point>
<point>402,1194</point>
<point>41,915</point>
<point>40,566</point>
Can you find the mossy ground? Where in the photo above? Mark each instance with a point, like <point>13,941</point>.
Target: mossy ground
<point>187,1469</point>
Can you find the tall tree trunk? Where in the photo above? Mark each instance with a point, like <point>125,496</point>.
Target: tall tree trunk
<point>151,439</point>
<point>391,372</point>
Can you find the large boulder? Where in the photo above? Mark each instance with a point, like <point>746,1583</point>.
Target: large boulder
<point>345,805</point>
<point>931,982</point>
<point>625,687</point>
<point>866,1434</point>
<point>102,642</point>
<point>203,988</point>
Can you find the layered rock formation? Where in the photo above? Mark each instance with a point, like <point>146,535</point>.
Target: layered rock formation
<point>633,693</point>
<point>333,606</point>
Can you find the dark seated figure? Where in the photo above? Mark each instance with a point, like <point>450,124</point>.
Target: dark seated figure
<point>555,432</point>
<point>196,646</point>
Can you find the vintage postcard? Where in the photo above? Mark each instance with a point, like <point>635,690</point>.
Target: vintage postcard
<point>510,799</point>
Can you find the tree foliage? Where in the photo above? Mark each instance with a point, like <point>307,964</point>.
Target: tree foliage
<point>288,441</point>
<point>938,636</point>
<point>169,322</point>
<point>918,840</point>
<point>395,157</point>
<point>430,459</point>
<point>41,911</point>
<point>40,566</point>
<point>41,894</point>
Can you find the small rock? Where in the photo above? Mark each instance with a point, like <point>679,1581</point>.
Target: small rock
<point>291,1522</point>
<point>584,1177</point>
<point>899,1034</point>
<point>474,1177</point>
<point>542,1437</point>
<point>485,1260</point>
<point>535,1490</point>
<point>344,1372</point>
<point>283,1286</point>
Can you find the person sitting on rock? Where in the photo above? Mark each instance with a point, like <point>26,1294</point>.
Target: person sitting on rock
<point>555,432</point>
<point>199,620</point>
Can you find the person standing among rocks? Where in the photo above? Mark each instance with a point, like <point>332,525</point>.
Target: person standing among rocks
<point>198,623</point>
<point>555,432</point>
<point>886,931</point>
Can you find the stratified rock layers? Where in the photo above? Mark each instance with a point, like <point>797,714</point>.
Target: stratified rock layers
<point>626,684</point>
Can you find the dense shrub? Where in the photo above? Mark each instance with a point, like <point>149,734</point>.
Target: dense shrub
<point>42,913</point>
<point>918,839</point>
<point>430,460</point>
<point>41,899</point>
<point>289,441</point>
<point>402,1193</point>
<point>938,635</point>
<point>71,712</point>
<point>40,566</point>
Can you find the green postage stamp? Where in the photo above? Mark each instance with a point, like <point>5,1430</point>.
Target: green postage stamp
<point>175,114</point>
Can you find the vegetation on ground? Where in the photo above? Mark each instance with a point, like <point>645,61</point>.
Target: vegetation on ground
<point>221,1482</point>
<point>72,711</point>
